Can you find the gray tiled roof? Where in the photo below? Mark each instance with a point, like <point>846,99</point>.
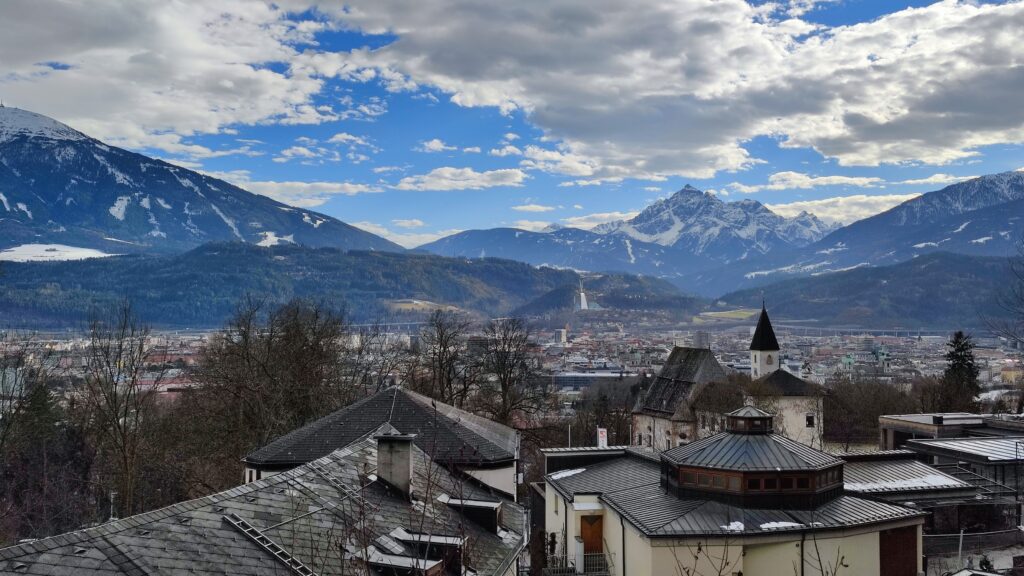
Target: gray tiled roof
<point>300,510</point>
<point>449,434</point>
<point>787,384</point>
<point>727,451</point>
<point>685,369</point>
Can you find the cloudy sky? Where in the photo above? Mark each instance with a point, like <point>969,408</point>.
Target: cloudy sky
<point>415,119</point>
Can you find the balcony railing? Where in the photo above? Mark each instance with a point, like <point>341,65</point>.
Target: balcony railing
<point>593,565</point>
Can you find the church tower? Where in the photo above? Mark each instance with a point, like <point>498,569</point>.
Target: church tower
<point>764,348</point>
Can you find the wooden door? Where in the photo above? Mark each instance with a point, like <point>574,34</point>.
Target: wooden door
<point>592,532</point>
<point>898,552</point>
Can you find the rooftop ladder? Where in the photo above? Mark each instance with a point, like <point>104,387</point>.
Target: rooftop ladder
<point>261,539</point>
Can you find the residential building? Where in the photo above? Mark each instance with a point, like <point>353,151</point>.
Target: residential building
<point>457,439</point>
<point>745,500</point>
<point>380,505</point>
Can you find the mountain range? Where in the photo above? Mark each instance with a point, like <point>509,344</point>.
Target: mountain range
<point>59,186</point>
<point>64,194</point>
<point>710,247</point>
<point>672,238</point>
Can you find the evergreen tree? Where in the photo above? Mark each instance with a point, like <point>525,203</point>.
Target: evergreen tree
<point>960,380</point>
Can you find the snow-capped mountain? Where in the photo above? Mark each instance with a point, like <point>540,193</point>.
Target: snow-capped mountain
<point>983,216</point>
<point>700,223</point>
<point>673,238</point>
<point>60,187</point>
<point>569,248</point>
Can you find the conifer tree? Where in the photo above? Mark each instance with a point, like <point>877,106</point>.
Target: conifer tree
<point>960,379</point>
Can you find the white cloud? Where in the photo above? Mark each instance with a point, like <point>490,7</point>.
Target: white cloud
<point>510,137</point>
<point>844,209</point>
<point>435,145</point>
<point>507,150</point>
<point>590,220</point>
<point>448,178</point>
<point>472,150</point>
<point>799,181</point>
<point>405,239</point>
<point>386,169</point>
<point>936,179</point>
<point>679,87</point>
<point>300,194</point>
<point>411,223</point>
<point>531,225</point>
<point>533,208</point>
<point>350,139</point>
<point>675,89</point>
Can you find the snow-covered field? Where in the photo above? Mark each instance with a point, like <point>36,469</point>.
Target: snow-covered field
<point>49,252</point>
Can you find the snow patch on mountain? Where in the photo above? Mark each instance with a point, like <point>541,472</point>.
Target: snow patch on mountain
<point>272,239</point>
<point>3,199</point>
<point>119,207</point>
<point>21,206</point>
<point>163,203</point>
<point>228,221</point>
<point>981,240</point>
<point>961,228</point>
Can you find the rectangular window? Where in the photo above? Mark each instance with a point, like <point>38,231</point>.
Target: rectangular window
<point>810,419</point>
<point>734,483</point>
<point>719,481</point>
<point>689,478</point>
<point>787,483</point>
<point>753,483</point>
<point>770,484</point>
<point>704,480</point>
<point>803,483</point>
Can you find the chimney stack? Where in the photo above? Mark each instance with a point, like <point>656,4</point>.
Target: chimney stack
<point>394,461</point>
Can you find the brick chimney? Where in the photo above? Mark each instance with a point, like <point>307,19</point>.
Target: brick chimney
<point>394,461</point>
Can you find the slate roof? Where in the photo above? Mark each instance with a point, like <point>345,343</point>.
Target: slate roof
<point>727,451</point>
<point>790,385</point>
<point>307,512</point>
<point>764,335</point>
<point>447,433</point>
<point>685,369</point>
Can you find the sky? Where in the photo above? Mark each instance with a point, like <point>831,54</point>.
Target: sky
<point>418,119</point>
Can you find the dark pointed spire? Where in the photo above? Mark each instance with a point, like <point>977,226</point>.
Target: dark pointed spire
<point>764,335</point>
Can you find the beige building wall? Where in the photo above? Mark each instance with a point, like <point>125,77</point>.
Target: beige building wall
<point>633,554</point>
<point>503,479</point>
<point>660,433</point>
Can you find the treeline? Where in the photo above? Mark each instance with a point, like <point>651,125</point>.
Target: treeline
<point>86,436</point>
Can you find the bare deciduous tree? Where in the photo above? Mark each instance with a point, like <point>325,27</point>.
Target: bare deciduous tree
<point>118,395</point>
<point>511,385</point>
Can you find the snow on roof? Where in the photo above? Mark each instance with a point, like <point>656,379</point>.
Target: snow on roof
<point>566,473</point>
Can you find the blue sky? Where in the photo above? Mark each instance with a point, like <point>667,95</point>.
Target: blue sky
<point>414,121</point>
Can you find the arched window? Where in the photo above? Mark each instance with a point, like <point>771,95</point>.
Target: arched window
<point>768,360</point>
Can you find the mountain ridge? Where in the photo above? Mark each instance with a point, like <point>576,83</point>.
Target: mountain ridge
<point>60,186</point>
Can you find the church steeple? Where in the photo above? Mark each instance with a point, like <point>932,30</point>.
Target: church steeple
<point>764,347</point>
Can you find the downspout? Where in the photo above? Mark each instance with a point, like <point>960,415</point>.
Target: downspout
<point>622,526</point>
<point>803,538</point>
